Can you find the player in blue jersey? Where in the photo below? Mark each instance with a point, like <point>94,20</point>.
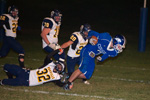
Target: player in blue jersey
<point>76,42</point>
<point>105,45</point>
<point>50,32</point>
<point>9,22</point>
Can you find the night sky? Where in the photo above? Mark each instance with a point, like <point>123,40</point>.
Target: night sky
<point>114,16</point>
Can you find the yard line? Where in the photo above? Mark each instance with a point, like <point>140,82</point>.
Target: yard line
<point>133,68</point>
<point>123,79</point>
<point>62,93</point>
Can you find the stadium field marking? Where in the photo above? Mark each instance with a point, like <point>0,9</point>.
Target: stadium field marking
<point>63,93</point>
<point>123,79</point>
<point>134,68</point>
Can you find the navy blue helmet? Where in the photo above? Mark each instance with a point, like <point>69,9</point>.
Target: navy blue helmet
<point>55,13</point>
<point>12,9</point>
<point>84,28</point>
<point>119,43</point>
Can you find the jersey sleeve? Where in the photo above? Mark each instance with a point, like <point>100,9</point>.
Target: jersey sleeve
<point>3,20</point>
<point>47,23</point>
<point>74,38</point>
<point>108,54</point>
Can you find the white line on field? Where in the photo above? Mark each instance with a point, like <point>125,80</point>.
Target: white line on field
<point>134,68</point>
<point>62,93</point>
<point>123,79</point>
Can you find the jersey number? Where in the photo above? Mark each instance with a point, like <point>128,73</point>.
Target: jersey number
<point>14,27</point>
<point>73,38</point>
<point>78,51</point>
<point>43,75</point>
<point>56,31</point>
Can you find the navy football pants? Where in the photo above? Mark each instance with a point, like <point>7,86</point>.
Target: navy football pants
<point>8,43</point>
<point>71,63</point>
<point>22,76</point>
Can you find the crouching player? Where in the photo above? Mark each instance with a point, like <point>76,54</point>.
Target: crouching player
<point>100,43</point>
<point>53,71</point>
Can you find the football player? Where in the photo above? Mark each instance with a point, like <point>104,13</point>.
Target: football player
<point>52,71</point>
<point>9,22</point>
<point>50,32</point>
<point>105,45</point>
<point>77,41</point>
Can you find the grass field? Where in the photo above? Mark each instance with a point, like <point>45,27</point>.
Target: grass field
<point>126,77</point>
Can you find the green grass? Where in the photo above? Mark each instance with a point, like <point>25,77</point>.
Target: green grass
<point>125,77</point>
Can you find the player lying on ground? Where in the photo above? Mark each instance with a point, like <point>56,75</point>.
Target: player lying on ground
<point>99,44</point>
<point>52,71</point>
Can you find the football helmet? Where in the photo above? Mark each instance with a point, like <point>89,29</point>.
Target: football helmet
<point>56,15</point>
<point>85,28</point>
<point>13,11</point>
<point>119,42</point>
<point>59,67</point>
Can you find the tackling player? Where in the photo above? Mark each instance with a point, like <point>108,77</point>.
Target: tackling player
<point>101,44</point>
<point>77,41</point>
<point>49,34</point>
<point>9,22</point>
<point>52,71</point>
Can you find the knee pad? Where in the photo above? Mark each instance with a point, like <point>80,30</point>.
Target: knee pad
<point>21,56</point>
<point>21,62</point>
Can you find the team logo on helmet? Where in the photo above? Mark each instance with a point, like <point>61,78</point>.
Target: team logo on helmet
<point>119,43</point>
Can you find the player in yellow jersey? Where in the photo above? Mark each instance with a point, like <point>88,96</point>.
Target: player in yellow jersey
<point>9,22</point>
<point>50,32</point>
<point>51,71</point>
<point>77,41</point>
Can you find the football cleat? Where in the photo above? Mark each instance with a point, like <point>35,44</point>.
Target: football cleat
<point>68,86</point>
<point>86,82</point>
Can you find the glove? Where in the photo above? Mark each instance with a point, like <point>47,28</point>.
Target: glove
<point>99,58</point>
<point>60,51</point>
<point>52,45</point>
<point>58,46</point>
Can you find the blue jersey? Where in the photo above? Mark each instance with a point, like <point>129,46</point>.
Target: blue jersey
<point>102,47</point>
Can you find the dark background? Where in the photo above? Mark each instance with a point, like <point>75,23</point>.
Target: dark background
<point>113,16</point>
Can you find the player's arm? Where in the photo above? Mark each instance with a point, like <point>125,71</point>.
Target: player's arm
<point>3,20</point>
<point>107,55</point>
<point>47,28</point>
<point>73,39</point>
<point>66,44</point>
<point>45,31</point>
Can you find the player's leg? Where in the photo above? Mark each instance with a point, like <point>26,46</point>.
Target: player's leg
<point>15,82</point>
<point>71,62</point>
<point>12,69</point>
<point>48,50</point>
<point>15,45</point>
<point>84,80</point>
<point>56,56</point>
<point>22,76</point>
